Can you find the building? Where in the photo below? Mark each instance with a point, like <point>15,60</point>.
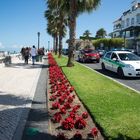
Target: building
<point>82,43</point>
<point>128,27</point>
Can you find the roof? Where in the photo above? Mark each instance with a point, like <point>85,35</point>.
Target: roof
<point>121,51</point>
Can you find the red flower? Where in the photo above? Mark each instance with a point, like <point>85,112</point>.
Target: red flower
<point>52,97</point>
<point>77,136</point>
<point>70,99</point>
<point>61,100</point>
<point>63,110</point>
<point>55,105</point>
<point>73,115</point>
<point>56,118</point>
<point>73,96</point>
<point>85,115</point>
<point>61,136</point>
<point>71,89</point>
<point>67,105</point>
<point>68,123</point>
<point>94,132</point>
<point>80,123</point>
<point>75,108</point>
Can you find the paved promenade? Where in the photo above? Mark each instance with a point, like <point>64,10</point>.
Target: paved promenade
<point>18,84</point>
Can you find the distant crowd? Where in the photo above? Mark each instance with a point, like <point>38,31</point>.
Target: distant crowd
<point>32,53</point>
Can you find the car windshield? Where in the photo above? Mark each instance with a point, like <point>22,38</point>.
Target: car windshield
<point>90,51</point>
<point>128,57</point>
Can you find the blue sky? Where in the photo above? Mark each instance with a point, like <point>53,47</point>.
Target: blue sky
<point>20,20</point>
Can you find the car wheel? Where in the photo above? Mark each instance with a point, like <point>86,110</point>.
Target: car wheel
<point>103,67</point>
<point>98,61</point>
<point>78,59</point>
<point>83,60</point>
<point>120,72</point>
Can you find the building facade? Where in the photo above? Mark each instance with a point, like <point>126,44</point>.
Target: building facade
<point>128,27</point>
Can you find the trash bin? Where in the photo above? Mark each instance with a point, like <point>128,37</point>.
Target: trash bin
<point>7,61</point>
<point>40,58</point>
<point>37,58</point>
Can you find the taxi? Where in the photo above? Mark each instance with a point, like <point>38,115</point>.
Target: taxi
<point>124,63</point>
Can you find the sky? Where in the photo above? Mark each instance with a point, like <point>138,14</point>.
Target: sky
<point>21,20</point>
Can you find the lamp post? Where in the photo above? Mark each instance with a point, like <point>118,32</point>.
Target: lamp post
<point>48,45</point>
<point>38,34</point>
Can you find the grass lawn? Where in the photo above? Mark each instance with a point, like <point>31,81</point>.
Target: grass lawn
<point>116,109</point>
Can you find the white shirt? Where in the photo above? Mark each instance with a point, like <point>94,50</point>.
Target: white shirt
<point>33,52</point>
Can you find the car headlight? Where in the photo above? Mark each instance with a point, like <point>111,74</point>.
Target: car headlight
<point>129,66</point>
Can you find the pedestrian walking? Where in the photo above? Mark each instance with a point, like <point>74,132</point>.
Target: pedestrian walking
<point>33,53</point>
<point>22,53</point>
<point>26,55</point>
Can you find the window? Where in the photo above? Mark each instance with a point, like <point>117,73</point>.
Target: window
<point>132,21</point>
<point>133,8</point>
<point>123,23</point>
<point>108,55</point>
<point>138,18</point>
<point>114,56</point>
<point>127,22</point>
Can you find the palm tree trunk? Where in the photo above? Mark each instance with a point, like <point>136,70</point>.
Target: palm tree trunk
<point>60,46</point>
<point>72,27</point>
<point>56,45</point>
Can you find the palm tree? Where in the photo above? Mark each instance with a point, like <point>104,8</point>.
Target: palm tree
<point>86,34</point>
<point>52,27</point>
<point>101,33</point>
<point>73,8</point>
<point>60,19</point>
<point>52,30</point>
<point>77,7</point>
<point>62,29</point>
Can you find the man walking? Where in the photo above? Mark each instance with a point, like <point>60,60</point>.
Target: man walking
<point>33,54</point>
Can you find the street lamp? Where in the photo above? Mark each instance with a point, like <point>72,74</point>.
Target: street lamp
<point>48,45</point>
<point>38,34</point>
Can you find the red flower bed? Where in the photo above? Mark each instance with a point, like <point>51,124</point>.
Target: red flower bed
<point>68,114</point>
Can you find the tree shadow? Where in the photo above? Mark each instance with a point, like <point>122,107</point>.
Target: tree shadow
<point>9,99</point>
<point>37,127</point>
<point>27,66</point>
<point>9,120</point>
<point>43,64</point>
<point>35,134</point>
<point>38,115</point>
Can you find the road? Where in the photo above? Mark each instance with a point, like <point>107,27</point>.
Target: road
<point>131,82</point>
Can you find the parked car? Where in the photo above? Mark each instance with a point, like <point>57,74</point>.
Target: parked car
<point>88,55</point>
<point>65,51</point>
<point>101,52</point>
<point>124,63</point>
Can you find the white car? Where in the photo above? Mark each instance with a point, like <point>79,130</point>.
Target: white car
<point>124,63</point>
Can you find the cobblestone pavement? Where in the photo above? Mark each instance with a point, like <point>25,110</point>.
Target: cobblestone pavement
<point>17,88</point>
